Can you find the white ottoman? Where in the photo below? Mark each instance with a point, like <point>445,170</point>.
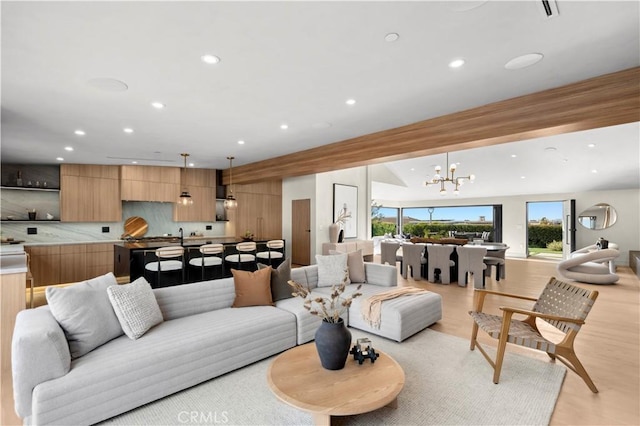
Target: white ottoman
<point>401,317</point>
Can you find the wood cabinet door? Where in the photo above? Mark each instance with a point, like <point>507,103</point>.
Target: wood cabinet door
<point>89,193</point>
<point>44,264</point>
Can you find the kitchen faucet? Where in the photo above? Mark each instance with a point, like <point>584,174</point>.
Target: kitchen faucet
<point>181,236</point>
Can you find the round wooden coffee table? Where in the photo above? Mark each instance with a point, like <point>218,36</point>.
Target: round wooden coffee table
<point>297,378</point>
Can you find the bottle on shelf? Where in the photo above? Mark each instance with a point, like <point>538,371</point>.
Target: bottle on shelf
<point>19,178</point>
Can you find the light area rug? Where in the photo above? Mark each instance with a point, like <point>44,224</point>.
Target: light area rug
<point>445,384</point>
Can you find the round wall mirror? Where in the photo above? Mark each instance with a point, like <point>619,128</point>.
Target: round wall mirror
<point>598,216</point>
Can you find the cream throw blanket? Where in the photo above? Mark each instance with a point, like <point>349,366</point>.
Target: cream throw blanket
<point>371,308</point>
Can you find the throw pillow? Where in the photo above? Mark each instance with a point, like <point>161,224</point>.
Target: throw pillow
<point>136,307</point>
<point>280,288</point>
<point>85,314</point>
<point>331,269</point>
<point>355,264</point>
<point>252,288</point>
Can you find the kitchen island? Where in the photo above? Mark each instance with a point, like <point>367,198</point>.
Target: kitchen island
<point>129,256</point>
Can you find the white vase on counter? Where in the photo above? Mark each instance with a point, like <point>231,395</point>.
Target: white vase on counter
<point>334,231</point>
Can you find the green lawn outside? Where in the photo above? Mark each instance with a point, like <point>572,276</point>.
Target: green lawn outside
<point>539,250</point>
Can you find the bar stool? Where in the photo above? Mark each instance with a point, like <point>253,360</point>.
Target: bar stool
<point>210,256</point>
<point>245,255</point>
<point>274,253</point>
<point>167,259</point>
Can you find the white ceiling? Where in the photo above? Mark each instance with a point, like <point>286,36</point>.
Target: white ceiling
<point>297,63</point>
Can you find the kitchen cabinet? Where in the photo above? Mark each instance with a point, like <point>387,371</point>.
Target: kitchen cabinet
<point>201,184</point>
<point>90,193</point>
<point>28,188</point>
<point>67,263</point>
<point>149,183</point>
<point>259,209</point>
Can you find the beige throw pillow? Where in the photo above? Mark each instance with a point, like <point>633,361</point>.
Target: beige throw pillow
<point>355,263</point>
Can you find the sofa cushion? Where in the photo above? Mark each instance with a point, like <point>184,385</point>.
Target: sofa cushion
<point>135,306</point>
<point>85,314</point>
<point>332,269</point>
<point>280,288</point>
<point>355,264</point>
<point>252,288</point>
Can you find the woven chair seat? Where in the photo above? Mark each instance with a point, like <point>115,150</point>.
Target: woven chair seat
<point>520,333</point>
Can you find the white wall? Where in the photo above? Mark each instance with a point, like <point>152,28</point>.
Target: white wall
<point>625,232</point>
<point>319,188</point>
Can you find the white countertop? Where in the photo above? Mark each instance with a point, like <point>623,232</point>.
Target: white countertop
<point>13,259</point>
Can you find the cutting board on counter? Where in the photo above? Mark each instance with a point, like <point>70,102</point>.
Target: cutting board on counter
<point>135,227</point>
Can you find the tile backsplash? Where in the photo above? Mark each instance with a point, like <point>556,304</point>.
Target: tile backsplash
<point>158,216</point>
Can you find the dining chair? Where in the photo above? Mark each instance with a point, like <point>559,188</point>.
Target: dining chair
<point>560,304</point>
<point>496,258</point>
<point>244,256</point>
<point>207,256</point>
<point>274,253</point>
<point>439,258</point>
<point>166,260</point>
<point>413,258</point>
<point>389,253</point>
<point>471,262</point>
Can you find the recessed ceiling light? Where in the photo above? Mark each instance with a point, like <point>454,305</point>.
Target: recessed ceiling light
<point>134,162</point>
<point>524,61</point>
<point>594,171</point>
<point>391,37</point>
<point>157,105</point>
<point>523,177</point>
<point>350,102</point>
<point>456,63</point>
<point>60,159</point>
<point>240,142</point>
<point>513,155</point>
<point>68,148</point>
<point>284,126</point>
<point>191,164</point>
<point>80,132</point>
<point>550,149</point>
<point>592,145</point>
<point>127,130</point>
<point>412,169</point>
<point>210,59</point>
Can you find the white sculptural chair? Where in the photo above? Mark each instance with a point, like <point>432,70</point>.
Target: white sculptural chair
<point>471,261</point>
<point>389,253</point>
<point>596,267</point>
<point>413,258</point>
<point>439,257</point>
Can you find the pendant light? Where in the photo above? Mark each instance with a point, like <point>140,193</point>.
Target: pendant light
<point>185,198</point>
<point>230,202</point>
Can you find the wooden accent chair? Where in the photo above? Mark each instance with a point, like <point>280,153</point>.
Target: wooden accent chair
<point>562,305</point>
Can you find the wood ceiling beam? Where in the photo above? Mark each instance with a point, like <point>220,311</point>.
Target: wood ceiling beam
<point>602,101</point>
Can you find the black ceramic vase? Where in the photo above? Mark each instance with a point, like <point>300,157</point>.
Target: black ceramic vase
<point>332,342</point>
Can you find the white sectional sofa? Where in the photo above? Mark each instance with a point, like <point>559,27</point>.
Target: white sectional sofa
<point>201,337</point>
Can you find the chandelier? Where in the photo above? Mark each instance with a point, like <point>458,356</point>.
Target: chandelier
<point>230,202</point>
<point>449,177</point>
<point>185,198</point>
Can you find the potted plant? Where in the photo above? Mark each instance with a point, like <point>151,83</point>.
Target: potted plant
<point>247,236</point>
<point>332,338</point>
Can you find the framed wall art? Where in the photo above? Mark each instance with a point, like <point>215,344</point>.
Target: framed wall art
<point>345,198</point>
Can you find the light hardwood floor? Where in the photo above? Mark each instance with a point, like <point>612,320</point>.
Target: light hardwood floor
<point>608,344</point>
